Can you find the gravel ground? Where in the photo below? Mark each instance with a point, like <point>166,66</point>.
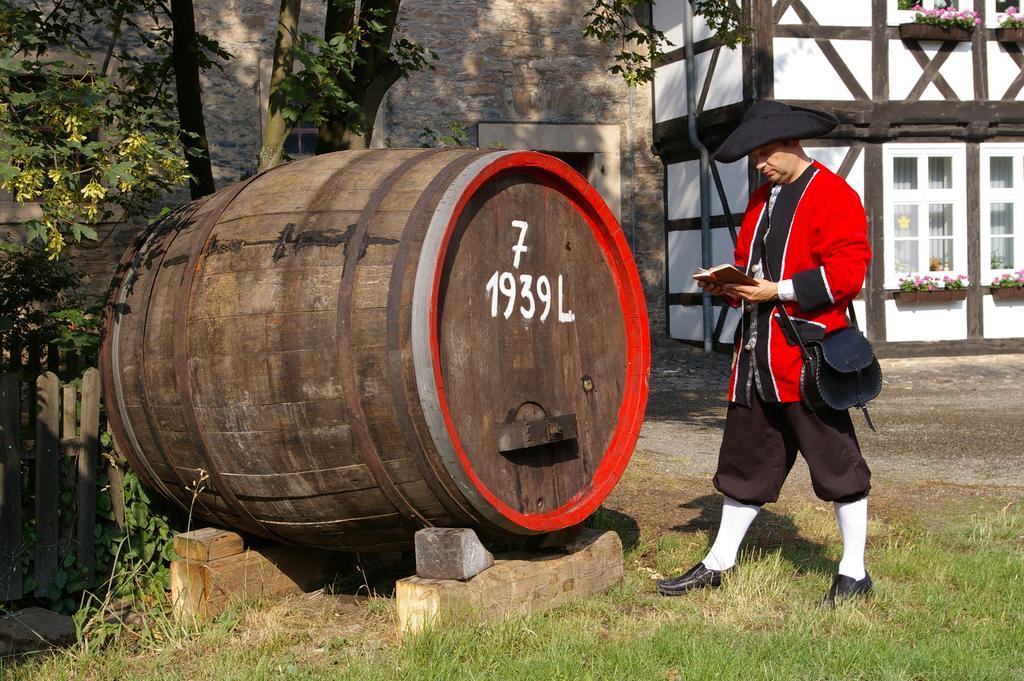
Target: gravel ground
<point>947,427</point>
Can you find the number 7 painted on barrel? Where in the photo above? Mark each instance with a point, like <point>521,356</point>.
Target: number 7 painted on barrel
<point>519,248</point>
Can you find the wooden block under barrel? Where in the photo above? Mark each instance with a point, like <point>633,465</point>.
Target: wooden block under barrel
<point>208,543</point>
<point>450,553</point>
<point>202,588</point>
<point>517,584</point>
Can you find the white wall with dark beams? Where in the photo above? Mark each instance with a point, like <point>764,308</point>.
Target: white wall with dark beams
<point>895,98</point>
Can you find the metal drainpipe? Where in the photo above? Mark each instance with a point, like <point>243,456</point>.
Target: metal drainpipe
<point>705,165</point>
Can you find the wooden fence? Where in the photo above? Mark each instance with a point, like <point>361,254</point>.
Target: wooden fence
<point>37,356</point>
<point>65,428</point>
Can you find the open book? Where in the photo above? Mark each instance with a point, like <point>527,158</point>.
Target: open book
<point>723,274</point>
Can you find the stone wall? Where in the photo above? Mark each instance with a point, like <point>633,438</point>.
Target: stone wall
<point>527,61</point>
<point>507,61</point>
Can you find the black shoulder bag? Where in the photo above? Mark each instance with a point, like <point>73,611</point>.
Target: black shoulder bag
<point>840,370</point>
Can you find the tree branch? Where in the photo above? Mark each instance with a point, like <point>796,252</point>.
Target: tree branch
<point>189,97</point>
<point>275,130</point>
<point>340,17</point>
<point>115,35</point>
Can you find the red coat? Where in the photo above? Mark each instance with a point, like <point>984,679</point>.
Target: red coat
<point>824,250</point>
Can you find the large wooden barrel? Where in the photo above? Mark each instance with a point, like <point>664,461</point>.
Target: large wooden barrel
<point>347,348</point>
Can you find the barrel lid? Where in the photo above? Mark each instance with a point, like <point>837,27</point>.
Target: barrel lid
<point>530,341</point>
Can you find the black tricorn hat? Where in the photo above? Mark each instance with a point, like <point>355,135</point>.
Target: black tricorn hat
<point>770,121</point>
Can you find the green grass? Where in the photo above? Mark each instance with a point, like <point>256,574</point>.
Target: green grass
<point>948,604</point>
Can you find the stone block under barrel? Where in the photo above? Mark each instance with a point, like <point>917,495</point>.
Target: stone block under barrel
<point>344,349</point>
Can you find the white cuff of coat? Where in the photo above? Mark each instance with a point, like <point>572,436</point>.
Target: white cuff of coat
<point>786,292</point>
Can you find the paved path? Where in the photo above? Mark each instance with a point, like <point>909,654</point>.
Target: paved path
<point>951,426</point>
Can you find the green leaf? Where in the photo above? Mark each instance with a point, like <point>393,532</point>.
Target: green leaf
<point>34,230</point>
<point>80,231</point>
<point>20,99</point>
<point>8,172</point>
<point>121,169</point>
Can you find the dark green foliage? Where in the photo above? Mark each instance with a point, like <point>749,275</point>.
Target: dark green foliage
<point>37,298</point>
<point>641,46</point>
<point>345,74</point>
<point>131,562</point>
<point>77,333</point>
<point>89,145</point>
<point>38,303</point>
<point>141,552</point>
<point>725,19</point>
<point>457,136</point>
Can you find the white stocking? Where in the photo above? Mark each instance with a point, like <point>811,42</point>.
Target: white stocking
<point>853,525</point>
<point>736,518</point>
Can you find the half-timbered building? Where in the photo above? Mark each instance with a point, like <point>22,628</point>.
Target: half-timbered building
<point>931,136</point>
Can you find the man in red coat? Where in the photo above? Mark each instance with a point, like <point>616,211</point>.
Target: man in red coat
<point>804,239</point>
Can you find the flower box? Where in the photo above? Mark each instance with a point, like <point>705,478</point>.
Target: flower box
<point>937,296</point>
<point>916,31</point>
<point>1007,293</point>
<point>1010,35</point>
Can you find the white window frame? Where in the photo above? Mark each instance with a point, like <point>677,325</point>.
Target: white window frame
<point>923,195</point>
<point>905,16</point>
<point>992,17</point>
<point>988,196</point>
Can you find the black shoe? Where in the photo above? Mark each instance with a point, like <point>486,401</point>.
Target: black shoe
<point>844,587</point>
<point>697,577</point>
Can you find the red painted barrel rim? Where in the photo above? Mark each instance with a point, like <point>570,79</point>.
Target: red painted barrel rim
<point>612,242</point>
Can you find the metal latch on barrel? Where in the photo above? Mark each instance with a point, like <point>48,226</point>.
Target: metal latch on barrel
<point>536,432</point>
